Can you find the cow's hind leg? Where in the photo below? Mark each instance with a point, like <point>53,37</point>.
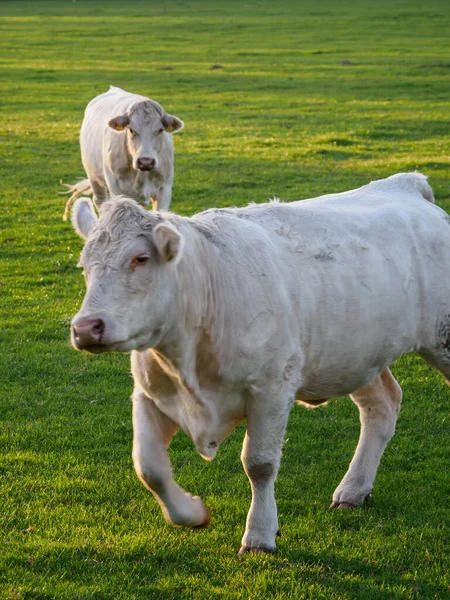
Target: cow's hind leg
<point>379,405</point>
<point>261,454</point>
<point>439,359</point>
<point>153,431</point>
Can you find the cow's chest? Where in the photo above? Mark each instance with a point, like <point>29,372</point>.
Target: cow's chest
<point>147,183</point>
<point>139,185</point>
<point>207,415</point>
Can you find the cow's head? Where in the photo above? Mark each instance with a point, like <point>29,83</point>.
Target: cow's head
<point>145,123</point>
<point>129,264</point>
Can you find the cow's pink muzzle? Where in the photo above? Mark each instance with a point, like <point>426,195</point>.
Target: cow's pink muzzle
<point>87,334</point>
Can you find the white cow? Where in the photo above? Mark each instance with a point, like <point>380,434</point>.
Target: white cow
<point>237,313</point>
<point>126,148</point>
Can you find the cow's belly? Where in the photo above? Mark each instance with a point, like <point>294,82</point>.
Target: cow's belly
<point>361,320</point>
<point>342,367</point>
<point>320,386</point>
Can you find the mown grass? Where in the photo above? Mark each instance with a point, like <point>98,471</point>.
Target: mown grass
<point>307,98</point>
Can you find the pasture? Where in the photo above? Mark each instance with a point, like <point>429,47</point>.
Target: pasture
<point>278,98</point>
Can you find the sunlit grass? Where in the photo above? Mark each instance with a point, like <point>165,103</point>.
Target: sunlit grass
<point>305,99</point>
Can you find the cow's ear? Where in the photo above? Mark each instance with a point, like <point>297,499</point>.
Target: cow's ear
<point>172,124</point>
<point>83,216</point>
<point>119,123</point>
<point>169,242</point>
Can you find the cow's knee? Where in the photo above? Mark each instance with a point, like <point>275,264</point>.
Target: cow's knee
<point>260,473</point>
<point>380,420</point>
<point>153,475</point>
<point>153,481</point>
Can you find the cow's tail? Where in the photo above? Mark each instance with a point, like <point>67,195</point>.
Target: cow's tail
<point>414,182</point>
<point>81,188</point>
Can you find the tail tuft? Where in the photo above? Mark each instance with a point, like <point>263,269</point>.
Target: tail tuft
<point>81,188</point>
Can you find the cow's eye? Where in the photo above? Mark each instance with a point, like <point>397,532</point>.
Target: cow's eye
<point>160,130</point>
<point>133,132</point>
<point>138,261</point>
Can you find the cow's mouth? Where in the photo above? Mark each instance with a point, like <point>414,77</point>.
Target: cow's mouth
<point>101,345</point>
<point>139,342</point>
<point>122,347</point>
<point>97,349</point>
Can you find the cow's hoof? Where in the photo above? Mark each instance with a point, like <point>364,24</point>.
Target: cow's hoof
<point>192,513</point>
<point>256,550</point>
<point>342,505</point>
<point>203,518</point>
<point>206,522</point>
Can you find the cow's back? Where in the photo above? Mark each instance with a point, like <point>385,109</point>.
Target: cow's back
<point>374,281</point>
<point>365,273</point>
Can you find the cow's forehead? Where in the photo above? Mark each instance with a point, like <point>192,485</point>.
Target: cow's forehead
<point>146,112</point>
<point>121,220</point>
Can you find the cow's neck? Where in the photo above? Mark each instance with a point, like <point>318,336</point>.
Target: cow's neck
<point>188,347</point>
<point>194,323</point>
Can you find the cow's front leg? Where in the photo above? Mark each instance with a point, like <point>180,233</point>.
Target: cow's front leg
<point>261,454</point>
<point>100,193</point>
<point>162,198</point>
<point>379,405</point>
<point>153,431</point>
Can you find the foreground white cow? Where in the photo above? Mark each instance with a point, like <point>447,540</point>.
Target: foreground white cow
<point>237,313</point>
<point>126,148</point>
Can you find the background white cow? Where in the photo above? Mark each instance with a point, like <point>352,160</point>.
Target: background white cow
<point>126,148</point>
<point>237,313</point>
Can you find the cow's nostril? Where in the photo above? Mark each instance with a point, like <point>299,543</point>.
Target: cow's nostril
<point>88,332</point>
<point>98,328</point>
<point>145,163</point>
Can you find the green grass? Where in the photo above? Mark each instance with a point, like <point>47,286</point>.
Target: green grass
<point>282,116</point>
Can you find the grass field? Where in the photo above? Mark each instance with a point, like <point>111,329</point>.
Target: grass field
<point>306,98</point>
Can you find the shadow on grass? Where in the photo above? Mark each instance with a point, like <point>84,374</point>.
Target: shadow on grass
<point>169,573</point>
<point>355,578</point>
<point>112,573</point>
<point>252,86</point>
